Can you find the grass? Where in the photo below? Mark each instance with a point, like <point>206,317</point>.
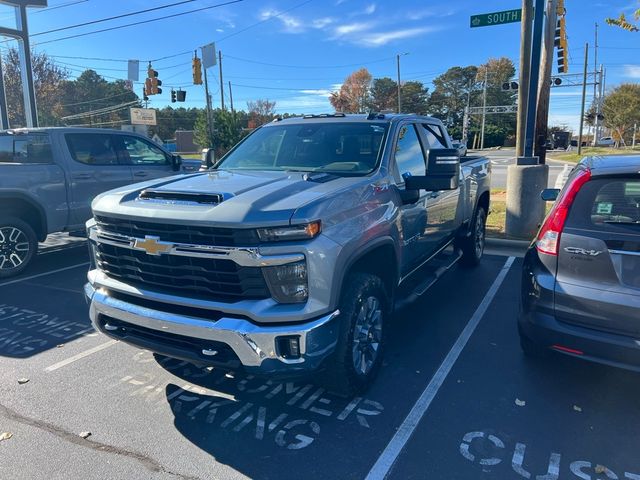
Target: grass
<point>589,151</point>
<point>191,156</point>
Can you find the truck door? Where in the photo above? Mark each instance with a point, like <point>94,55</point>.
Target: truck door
<point>94,168</point>
<point>415,225</point>
<point>145,159</point>
<point>444,204</point>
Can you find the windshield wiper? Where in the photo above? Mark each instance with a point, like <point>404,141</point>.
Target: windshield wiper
<point>622,222</point>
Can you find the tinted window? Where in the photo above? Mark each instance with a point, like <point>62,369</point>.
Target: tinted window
<point>92,148</point>
<point>343,148</point>
<point>435,136</point>
<point>139,152</point>
<point>408,154</point>
<point>607,204</point>
<point>6,148</point>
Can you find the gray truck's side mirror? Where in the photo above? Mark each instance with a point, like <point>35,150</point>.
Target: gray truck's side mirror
<point>176,162</point>
<point>549,194</point>
<point>208,157</point>
<point>443,161</point>
<point>431,183</point>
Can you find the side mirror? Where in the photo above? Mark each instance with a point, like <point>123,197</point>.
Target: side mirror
<point>176,162</point>
<point>208,157</point>
<point>549,194</point>
<point>431,183</point>
<point>444,161</point>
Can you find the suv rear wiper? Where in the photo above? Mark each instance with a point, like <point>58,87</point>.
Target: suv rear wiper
<point>622,222</point>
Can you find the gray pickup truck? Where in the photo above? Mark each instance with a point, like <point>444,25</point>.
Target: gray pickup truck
<point>49,176</point>
<point>289,255</point>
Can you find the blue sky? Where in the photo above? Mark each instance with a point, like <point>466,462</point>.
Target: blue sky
<point>296,58</point>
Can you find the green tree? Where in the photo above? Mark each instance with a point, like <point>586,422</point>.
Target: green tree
<point>621,110</point>
<point>453,90</point>
<point>415,98</point>
<point>384,95</point>
<point>499,71</point>
<point>48,78</point>
<point>226,131</point>
<point>171,119</point>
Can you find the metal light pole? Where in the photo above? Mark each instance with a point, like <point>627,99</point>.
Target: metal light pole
<point>536,50</point>
<point>484,106</point>
<point>398,66</point>
<point>525,64</point>
<point>584,94</point>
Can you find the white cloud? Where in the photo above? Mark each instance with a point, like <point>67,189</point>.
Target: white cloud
<point>349,28</point>
<point>322,92</point>
<point>219,30</point>
<point>322,22</point>
<point>377,39</point>
<point>370,9</point>
<point>632,71</point>
<point>304,104</point>
<point>429,12</point>
<point>291,24</point>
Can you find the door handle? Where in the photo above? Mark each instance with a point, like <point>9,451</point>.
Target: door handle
<point>140,174</point>
<point>82,176</point>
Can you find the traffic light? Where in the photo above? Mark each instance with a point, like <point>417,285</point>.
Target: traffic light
<point>152,81</point>
<point>560,42</point>
<point>144,94</point>
<point>510,86</point>
<point>173,96</point>
<point>181,95</point>
<point>197,71</point>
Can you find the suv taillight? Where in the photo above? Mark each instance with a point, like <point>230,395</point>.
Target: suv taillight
<point>549,235</point>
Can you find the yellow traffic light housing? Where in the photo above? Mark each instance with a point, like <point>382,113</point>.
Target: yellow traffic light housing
<point>197,71</point>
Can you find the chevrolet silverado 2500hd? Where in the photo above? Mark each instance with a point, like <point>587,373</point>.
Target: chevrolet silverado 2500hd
<point>288,256</point>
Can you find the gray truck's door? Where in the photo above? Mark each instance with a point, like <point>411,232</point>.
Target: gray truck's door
<point>145,159</point>
<point>443,204</point>
<point>93,168</point>
<point>418,233</point>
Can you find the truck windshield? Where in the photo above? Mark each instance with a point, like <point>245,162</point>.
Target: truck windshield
<point>341,148</point>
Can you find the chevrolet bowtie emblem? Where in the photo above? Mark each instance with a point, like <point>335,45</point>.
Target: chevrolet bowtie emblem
<point>152,245</point>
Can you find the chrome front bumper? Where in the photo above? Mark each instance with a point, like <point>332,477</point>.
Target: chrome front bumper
<point>254,345</point>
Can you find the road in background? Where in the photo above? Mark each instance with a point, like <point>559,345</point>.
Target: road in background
<point>501,159</point>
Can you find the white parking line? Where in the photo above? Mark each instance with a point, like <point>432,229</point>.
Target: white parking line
<point>43,274</point>
<point>79,356</point>
<point>388,457</point>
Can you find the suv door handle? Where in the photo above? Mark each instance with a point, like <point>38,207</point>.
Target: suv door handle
<point>82,176</point>
<point>140,174</point>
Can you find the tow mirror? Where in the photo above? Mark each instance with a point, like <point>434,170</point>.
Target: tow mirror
<point>432,183</point>
<point>549,194</point>
<point>176,162</point>
<point>208,157</point>
<point>443,161</point>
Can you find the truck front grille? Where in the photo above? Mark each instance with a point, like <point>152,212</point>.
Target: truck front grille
<point>192,234</point>
<point>204,278</point>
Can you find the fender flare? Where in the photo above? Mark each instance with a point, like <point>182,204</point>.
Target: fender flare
<point>18,195</point>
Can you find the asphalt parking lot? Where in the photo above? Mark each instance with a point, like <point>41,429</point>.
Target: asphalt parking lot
<point>455,399</point>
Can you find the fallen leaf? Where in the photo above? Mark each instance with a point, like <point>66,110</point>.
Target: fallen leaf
<point>5,436</point>
<point>60,345</point>
<point>577,408</point>
<point>601,469</point>
<point>22,380</point>
<point>520,403</point>
<point>85,434</point>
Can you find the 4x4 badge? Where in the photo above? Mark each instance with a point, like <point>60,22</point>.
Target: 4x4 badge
<point>582,251</point>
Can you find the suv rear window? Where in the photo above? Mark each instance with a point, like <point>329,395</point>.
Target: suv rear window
<point>607,204</point>
<point>25,149</point>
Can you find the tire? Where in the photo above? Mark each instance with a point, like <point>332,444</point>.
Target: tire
<point>364,309</point>
<point>472,246</point>
<point>18,245</point>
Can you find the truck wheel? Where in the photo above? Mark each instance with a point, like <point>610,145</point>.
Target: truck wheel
<point>472,246</point>
<point>364,308</point>
<point>18,245</point>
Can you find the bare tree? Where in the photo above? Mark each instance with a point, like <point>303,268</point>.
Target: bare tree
<point>261,111</point>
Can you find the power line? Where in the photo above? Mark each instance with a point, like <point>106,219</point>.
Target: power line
<point>130,14</point>
<point>96,100</point>
<point>309,66</point>
<point>230,2</point>
<point>62,5</point>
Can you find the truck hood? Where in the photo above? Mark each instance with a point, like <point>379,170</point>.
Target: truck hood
<point>249,198</point>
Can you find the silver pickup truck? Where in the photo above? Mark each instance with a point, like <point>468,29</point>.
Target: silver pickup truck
<point>49,176</point>
<point>288,256</point>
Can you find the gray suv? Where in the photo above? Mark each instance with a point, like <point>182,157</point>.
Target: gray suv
<point>289,255</point>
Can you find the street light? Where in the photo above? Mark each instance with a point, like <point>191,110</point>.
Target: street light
<point>398,65</point>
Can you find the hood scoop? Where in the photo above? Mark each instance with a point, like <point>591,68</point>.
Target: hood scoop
<point>180,198</point>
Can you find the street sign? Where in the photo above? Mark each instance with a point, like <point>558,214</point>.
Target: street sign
<point>143,116</point>
<point>496,18</point>
<point>209,55</point>
<point>26,3</point>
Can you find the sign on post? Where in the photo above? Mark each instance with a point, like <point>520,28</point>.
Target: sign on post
<point>143,116</point>
<point>496,18</point>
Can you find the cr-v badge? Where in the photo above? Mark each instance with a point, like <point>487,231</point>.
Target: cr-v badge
<point>582,251</point>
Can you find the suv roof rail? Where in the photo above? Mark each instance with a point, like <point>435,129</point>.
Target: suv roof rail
<point>324,115</point>
<point>375,116</point>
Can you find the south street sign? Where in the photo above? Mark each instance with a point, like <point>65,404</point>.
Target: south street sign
<point>496,18</point>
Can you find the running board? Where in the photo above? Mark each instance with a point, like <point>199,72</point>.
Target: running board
<point>425,277</point>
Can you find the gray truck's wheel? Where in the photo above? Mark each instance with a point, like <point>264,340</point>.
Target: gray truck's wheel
<point>363,310</point>
<point>473,246</point>
<point>18,245</point>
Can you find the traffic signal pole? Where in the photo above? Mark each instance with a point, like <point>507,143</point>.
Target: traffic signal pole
<point>525,64</point>
<point>209,116</point>
<point>527,178</point>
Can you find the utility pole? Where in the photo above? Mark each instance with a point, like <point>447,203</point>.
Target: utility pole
<point>635,129</point>
<point>595,61</point>
<point>532,101</point>
<point>221,81</point>
<point>544,86</point>
<point>523,81</point>
<point>584,94</point>
<point>231,100</point>
<point>209,116</point>
<point>399,90</point>
<point>484,106</point>
<point>4,116</point>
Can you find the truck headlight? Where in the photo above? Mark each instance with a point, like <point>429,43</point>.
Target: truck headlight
<point>304,231</point>
<point>93,254</point>
<point>288,283</point>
